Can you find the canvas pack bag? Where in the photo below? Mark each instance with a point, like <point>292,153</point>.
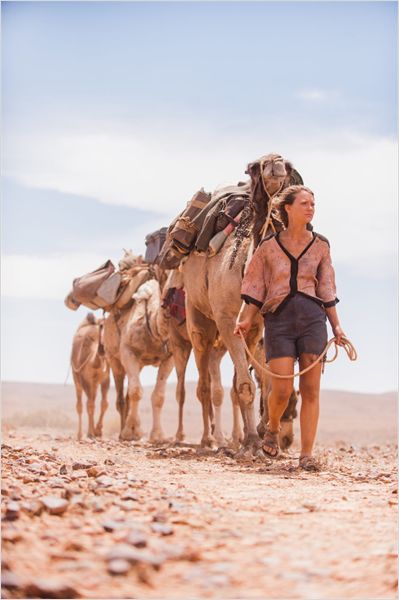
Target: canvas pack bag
<point>97,289</point>
<point>154,242</point>
<point>185,230</point>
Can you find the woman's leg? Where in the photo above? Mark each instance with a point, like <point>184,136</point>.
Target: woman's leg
<point>280,391</point>
<point>309,386</point>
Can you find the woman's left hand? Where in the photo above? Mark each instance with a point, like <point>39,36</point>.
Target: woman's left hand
<point>339,334</point>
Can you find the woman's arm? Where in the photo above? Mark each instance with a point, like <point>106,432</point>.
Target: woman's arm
<point>332,316</point>
<point>245,318</point>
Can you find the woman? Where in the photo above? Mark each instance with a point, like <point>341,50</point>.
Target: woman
<point>291,280</point>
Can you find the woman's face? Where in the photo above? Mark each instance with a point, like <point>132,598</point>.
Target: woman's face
<point>301,211</point>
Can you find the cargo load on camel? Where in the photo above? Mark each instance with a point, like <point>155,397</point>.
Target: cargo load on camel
<point>204,216</point>
<point>209,219</point>
<point>105,288</point>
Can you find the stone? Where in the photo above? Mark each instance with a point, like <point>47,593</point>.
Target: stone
<point>162,528</point>
<point>70,491</point>
<point>105,481</point>
<point>95,472</point>
<point>63,470</point>
<point>50,588</point>
<point>96,506</point>
<point>111,525</point>
<point>55,505</point>
<point>11,534</point>
<point>73,546</point>
<point>160,518</point>
<point>10,580</point>
<point>12,511</point>
<point>130,496</point>
<point>133,556</point>
<point>137,539</point>
<point>33,508</point>
<point>81,465</point>
<point>118,567</point>
<point>57,482</point>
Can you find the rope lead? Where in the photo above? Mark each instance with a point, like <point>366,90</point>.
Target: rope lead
<point>347,345</point>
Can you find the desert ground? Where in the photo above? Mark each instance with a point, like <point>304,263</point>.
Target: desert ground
<point>105,519</point>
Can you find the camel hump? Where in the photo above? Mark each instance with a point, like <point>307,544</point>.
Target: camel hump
<point>267,238</point>
<point>323,239</point>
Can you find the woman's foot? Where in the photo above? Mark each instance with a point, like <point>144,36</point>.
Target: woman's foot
<point>270,445</point>
<point>309,463</point>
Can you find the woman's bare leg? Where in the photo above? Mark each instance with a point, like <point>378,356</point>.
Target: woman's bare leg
<point>309,386</point>
<point>280,391</point>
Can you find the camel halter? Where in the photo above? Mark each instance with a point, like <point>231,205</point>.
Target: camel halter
<point>269,212</point>
<point>347,345</point>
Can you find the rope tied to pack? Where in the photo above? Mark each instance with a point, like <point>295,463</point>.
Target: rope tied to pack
<point>346,344</point>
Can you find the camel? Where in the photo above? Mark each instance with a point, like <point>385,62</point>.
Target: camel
<point>136,336</point>
<point>213,287</point>
<point>180,346</point>
<point>90,370</point>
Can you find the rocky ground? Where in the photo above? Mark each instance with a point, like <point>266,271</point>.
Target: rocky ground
<point>104,519</point>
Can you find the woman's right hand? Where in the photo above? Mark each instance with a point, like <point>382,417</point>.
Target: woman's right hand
<point>243,325</point>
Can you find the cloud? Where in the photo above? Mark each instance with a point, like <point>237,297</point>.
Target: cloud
<point>24,276</point>
<point>317,95</point>
<point>354,177</point>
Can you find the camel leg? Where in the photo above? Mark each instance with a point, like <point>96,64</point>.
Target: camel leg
<point>104,405</point>
<point>158,399</point>
<point>286,436</point>
<point>131,429</point>
<point>217,393</point>
<point>245,386</point>
<point>91,392</point>
<point>287,422</point>
<point>237,434</point>
<point>79,406</point>
<point>181,354</point>
<point>202,333</point>
<point>119,373</point>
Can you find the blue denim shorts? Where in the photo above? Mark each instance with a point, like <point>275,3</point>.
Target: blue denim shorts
<point>299,327</point>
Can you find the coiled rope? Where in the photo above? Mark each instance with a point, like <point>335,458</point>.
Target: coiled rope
<point>346,344</point>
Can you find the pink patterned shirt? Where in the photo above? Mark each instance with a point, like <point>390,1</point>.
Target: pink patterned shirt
<point>274,275</point>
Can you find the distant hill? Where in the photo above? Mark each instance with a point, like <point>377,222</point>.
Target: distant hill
<point>345,416</point>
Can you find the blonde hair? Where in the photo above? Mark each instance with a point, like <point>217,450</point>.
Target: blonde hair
<point>288,196</point>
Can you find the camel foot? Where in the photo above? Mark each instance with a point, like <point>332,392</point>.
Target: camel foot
<point>237,437</point>
<point>179,437</point>
<point>286,434</point>
<point>220,440</point>
<point>208,442</point>
<point>250,446</point>
<point>157,436</point>
<point>261,429</point>
<point>130,435</point>
<point>98,432</point>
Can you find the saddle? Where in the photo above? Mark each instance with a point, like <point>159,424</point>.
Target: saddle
<point>204,216</point>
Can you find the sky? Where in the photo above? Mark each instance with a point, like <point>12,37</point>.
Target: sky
<point>115,113</point>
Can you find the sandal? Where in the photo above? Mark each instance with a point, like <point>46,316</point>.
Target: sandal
<point>270,441</point>
<point>309,463</point>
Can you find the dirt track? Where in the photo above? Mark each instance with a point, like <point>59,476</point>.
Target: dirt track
<point>206,525</point>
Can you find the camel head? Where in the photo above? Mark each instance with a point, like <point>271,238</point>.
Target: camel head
<point>269,174</point>
<point>129,260</point>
